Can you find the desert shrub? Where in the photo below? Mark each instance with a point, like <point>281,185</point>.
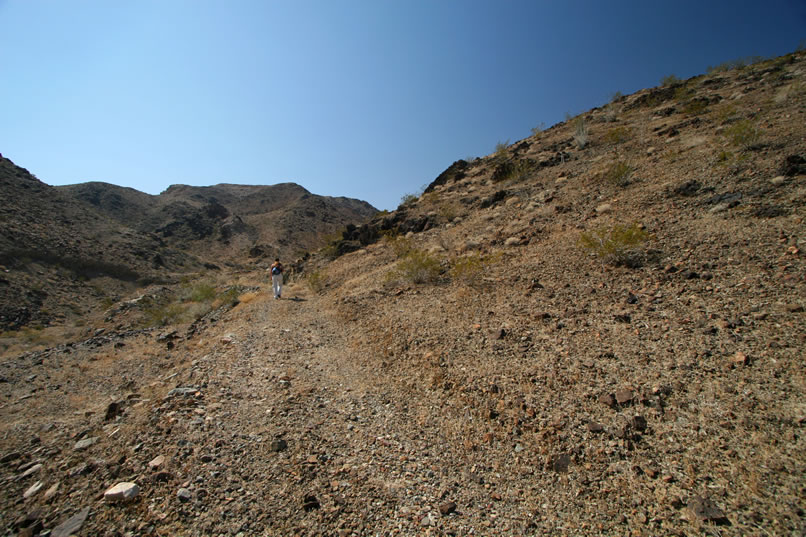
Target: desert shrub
<point>406,199</point>
<point>316,281</point>
<point>202,292</point>
<point>501,149</point>
<point>469,270</point>
<point>400,245</point>
<point>738,63</point>
<point>695,107</point>
<point>417,266</point>
<point>581,133</point>
<point>536,130</point>
<point>669,80</point>
<point>619,173</point>
<point>618,135</point>
<point>165,314</point>
<point>448,211</point>
<point>743,134</point>
<point>512,170</point>
<point>618,245</point>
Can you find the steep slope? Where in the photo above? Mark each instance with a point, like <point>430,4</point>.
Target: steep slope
<point>482,371</point>
<point>229,222</point>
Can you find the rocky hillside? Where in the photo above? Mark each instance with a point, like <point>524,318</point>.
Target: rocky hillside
<point>228,222</point>
<point>59,259</point>
<point>597,330</point>
<point>66,251</point>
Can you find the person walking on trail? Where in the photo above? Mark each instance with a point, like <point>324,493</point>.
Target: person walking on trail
<point>276,270</point>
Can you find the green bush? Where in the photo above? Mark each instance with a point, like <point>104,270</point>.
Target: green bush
<point>619,174</point>
<point>417,266</point>
<point>619,245</point>
<point>470,269</point>
<point>743,134</point>
<point>316,281</point>
<point>512,170</point>
<point>618,135</point>
<point>400,245</point>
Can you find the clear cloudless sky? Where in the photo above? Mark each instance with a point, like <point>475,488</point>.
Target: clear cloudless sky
<point>368,99</point>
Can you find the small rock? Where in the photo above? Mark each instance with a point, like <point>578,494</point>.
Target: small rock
<point>156,462</point>
<point>513,241</point>
<point>183,391</point>
<point>560,463</point>
<point>607,399</point>
<point>33,489</point>
<point>705,510</point>
<point>778,180</point>
<point>51,492</point>
<point>32,470</point>
<point>604,208</point>
<point>632,299</point>
<point>310,502</point>
<point>184,495</point>
<point>85,443</point>
<point>595,427</point>
<point>740,358</point>
<point>278,445</point>
<point>122,492</point>
<point>624,396</point>
<point>638,423</point>
<point>447,508</point>
<point>71,525</point>
<point>501,333</point>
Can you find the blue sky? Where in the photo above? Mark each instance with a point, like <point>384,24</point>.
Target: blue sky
<point>368,99</point>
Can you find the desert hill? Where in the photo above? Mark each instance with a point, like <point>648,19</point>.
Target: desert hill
<point>597,330</point>
<point>231,222</point>
<point>67,250</point>
<point>51,246</point>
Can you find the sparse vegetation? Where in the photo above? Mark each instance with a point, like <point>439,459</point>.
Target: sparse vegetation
<point>512,170</point>
<point>470,269</point>
<point>669,80</point>
<point>743,134</point>
<point>619,174</point>
<point>618,135</point>
<point>738,63</point>
<point>417,266</point>
<point>536,130</point>
<point>316,281</point>
<point>620,245</point>
<point>193,301</point>
<point>581,133</point>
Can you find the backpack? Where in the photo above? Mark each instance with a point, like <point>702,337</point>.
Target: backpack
<point>277,269</point>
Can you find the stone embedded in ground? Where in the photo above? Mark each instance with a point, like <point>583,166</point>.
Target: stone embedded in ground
<point>447,508</point>
<point>72,525</point>
<point>607,399</point>
<point>51,492</point>
<point>706,510</point>
<point>560,463</point>
<point>740,358</point>
<point>310,502</point>
<point>33,489</point>
<point>277,445</point>
<point>85,443</point>
<point>156,462</point>
<point>595,427</point>
<point>638,423</point>
<point>624,396</point>
<point>122,492</point>
<point>183,391</point>
<point>184,495</point>
<point>30,471</point>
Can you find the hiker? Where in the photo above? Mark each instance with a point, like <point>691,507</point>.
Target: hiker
<point>276,270</point>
